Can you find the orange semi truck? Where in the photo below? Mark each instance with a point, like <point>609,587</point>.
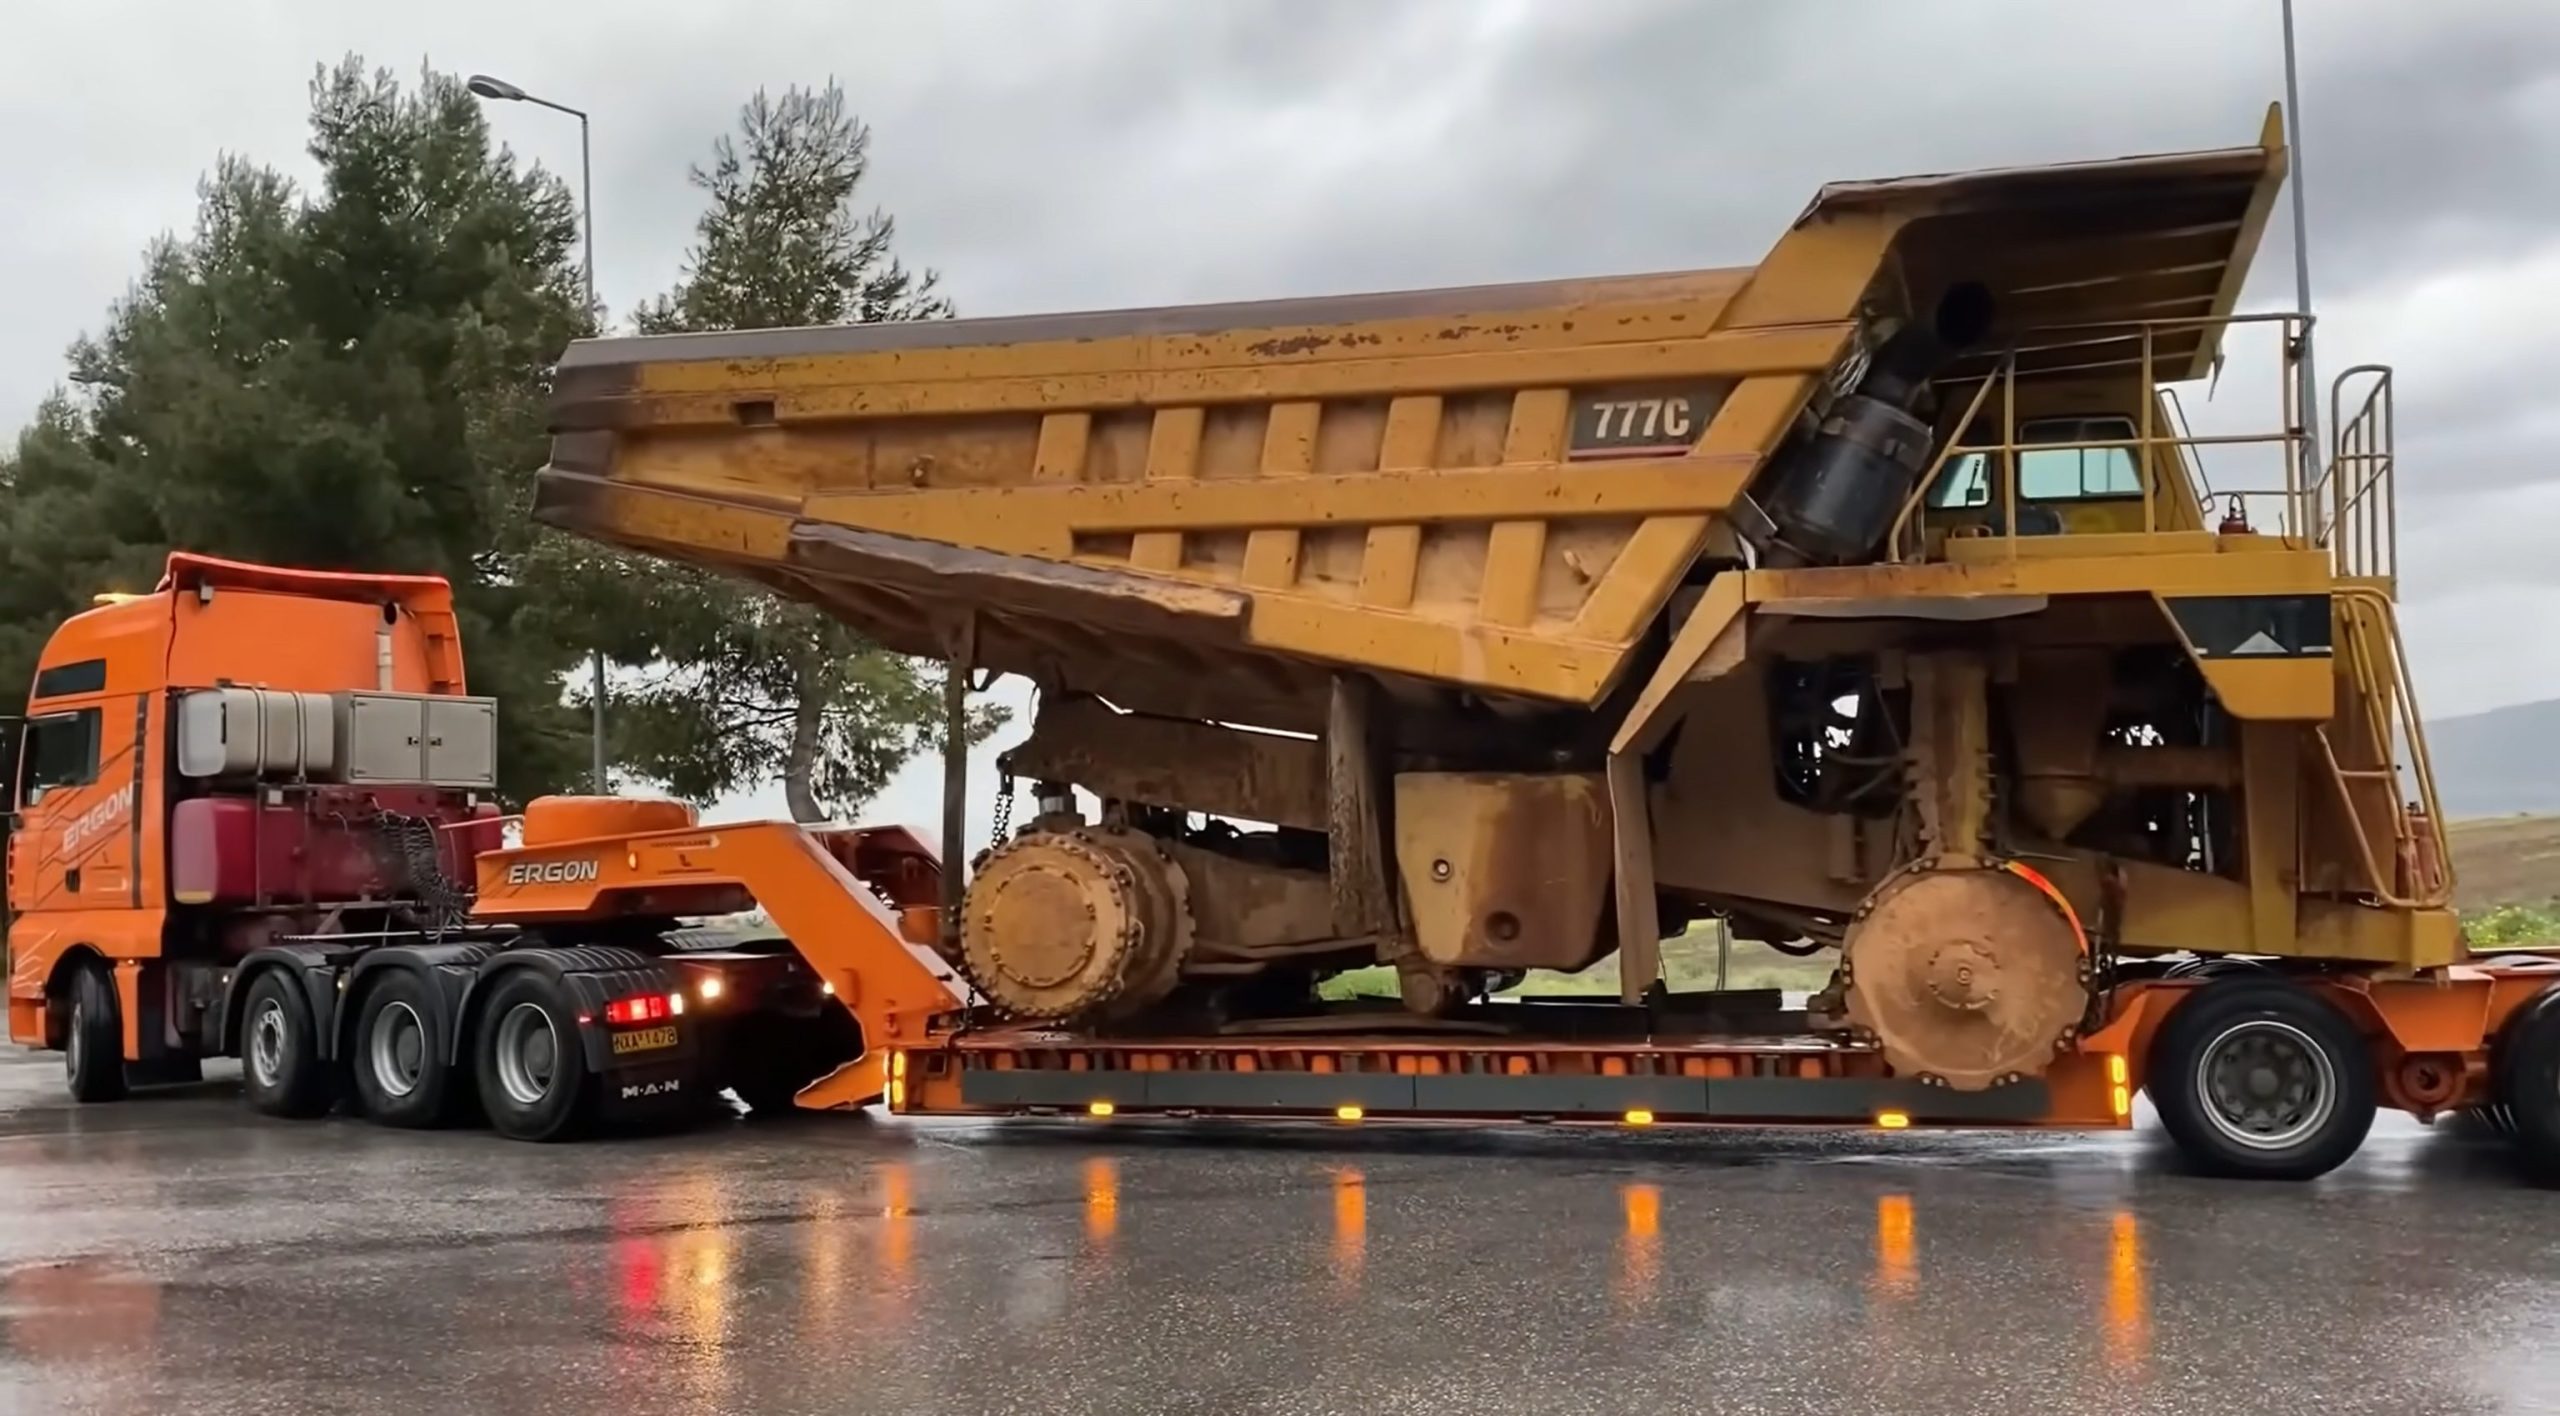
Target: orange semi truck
<point>249,808</point>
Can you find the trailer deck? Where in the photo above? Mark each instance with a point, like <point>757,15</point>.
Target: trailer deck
<point>856,904</point>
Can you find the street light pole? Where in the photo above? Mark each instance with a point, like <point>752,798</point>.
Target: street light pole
<point>501,91</point>
<point>2301,255</point>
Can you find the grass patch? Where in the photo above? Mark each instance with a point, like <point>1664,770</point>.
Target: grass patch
<point>2514,926</point>
<point>1688,963</point>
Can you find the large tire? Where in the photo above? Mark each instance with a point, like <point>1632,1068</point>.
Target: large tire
<point>2257,1078</point>
<point>402,1073</point>
<point>93,1038</point>
<point>528,1060</point>
<point>280,1064</point>
<point>2528,1083</point>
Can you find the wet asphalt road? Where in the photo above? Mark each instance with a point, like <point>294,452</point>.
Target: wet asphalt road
<point>176,1254</point>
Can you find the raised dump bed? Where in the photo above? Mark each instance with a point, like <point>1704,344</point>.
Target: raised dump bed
<point>1202,510</point>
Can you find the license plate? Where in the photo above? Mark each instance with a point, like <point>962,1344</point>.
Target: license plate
<point>644,1039</point>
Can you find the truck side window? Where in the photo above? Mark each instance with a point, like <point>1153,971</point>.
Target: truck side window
<point>62,751</point>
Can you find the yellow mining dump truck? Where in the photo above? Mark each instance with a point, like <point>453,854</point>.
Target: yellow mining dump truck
<point>1869,598</point>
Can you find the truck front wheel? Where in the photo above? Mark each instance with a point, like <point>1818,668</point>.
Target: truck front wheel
<point>280,1064</point>
<point>531,1067</point>
<point>93,1041</point>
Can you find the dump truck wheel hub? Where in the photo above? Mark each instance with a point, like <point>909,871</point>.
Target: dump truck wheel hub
<point>1964,975</point>
<point>1045,924</point>
<point>1970,977</point>
<point>1074,925</point>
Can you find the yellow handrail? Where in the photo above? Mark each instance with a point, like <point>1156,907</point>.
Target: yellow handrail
<point>2389,713</point>
<point>2302,519</point>
<point>2364,529</point>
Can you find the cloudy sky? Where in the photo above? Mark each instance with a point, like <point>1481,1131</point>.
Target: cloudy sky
<point>1059,154</point>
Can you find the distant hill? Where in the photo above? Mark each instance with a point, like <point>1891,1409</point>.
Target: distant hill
<point>2498,763</point>
<point>2506,860</point>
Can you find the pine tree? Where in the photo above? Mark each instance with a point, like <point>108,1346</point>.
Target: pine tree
<point>349,378</point>
<point>739,686</point>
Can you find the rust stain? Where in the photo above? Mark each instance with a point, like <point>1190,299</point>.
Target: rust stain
<point>1295,344</point>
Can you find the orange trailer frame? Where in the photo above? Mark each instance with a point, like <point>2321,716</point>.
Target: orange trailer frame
<point>858,905</point>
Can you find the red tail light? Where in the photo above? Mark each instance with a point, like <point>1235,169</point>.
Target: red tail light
<point>641,1008</point>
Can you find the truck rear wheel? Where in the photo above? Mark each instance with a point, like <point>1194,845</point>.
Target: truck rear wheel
<point>2258,1078</point>
<point>2528,1082</point>
<point>280,1063</point>
<point>528,1060</point>
<point>93,1040</point>
<point>401,1072</point>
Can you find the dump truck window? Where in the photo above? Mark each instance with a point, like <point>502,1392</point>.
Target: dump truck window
<point>2077,473</point>
<point>1967,483</point>
<point>62,751</point>
<point>2056,465</point>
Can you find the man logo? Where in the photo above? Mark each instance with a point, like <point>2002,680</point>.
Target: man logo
<point>553,872</point>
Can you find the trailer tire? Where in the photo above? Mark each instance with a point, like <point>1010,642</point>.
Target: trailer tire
<point>93,1039</point>
<point>280,1064</point>
<point>2257,1078</point>
<point>2528,1082</point>
<point>529,1062</point>
<point>402,1076</point>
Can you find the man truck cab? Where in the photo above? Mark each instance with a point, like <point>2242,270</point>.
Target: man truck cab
<point>256,816</point>
<point>195,781</point>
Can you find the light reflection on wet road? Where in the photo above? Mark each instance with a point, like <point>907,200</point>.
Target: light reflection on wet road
<point>176,1254</point>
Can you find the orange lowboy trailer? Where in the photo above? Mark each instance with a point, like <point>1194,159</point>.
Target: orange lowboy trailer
<point>859,908</point>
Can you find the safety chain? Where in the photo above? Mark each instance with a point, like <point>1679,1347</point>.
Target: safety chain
<point>1004,811</point>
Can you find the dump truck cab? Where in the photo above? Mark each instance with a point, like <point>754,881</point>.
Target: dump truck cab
<point>2078,473</point>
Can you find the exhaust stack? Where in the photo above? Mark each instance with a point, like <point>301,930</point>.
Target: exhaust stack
<point>1833,496</point>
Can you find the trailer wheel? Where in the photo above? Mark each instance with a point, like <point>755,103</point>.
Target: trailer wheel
<point>2529,1087</point>
<point>280,1064</point>
<point>2257,1078</point>
<point>532,1071</point>
<point>93,1041</point>
<point>401,1072</point>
